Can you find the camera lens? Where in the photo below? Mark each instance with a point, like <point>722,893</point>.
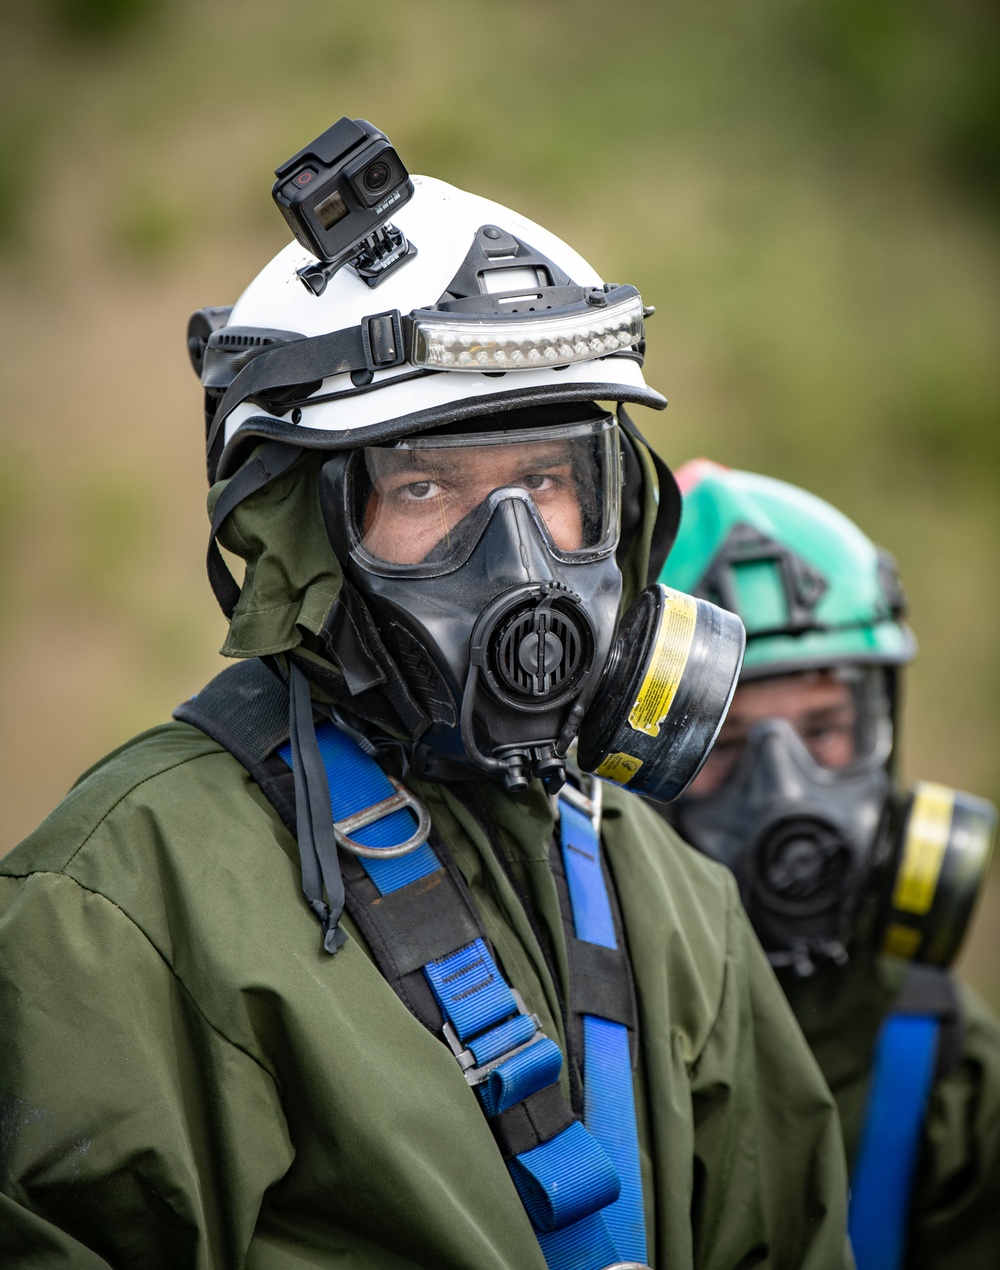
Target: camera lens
<point>377,177</point>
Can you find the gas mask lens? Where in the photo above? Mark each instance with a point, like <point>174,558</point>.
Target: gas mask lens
<point>419,506</point>
<point>840,716</point>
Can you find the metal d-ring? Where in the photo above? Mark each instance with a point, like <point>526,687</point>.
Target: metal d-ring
<point>342,829</point>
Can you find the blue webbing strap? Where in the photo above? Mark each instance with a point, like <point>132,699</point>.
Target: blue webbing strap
<point>609,1105</point>
<point>883,1172</point>
<point>569,1186</point>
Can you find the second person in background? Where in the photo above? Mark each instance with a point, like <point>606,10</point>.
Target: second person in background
<point>859,889</point>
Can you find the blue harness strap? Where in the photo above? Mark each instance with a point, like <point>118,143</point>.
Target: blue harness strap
<point>883,1172</point>
<point>581,1187</point>
<point>609,1102</point>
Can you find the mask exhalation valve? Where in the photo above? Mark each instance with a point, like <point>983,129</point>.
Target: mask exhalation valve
<point>803,865</point>
<point>536,651</point>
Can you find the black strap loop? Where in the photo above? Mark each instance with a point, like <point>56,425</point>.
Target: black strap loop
<point>247,710</point>
<point>314,817</point>
<point>536,1119</point>
<point>933,990</point>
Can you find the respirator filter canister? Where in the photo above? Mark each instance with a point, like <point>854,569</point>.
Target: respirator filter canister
<point>664,694</point>
<point>945,844</point>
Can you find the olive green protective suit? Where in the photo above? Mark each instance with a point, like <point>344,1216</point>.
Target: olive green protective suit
<point>955,1209</point>
<point>186,1079</point>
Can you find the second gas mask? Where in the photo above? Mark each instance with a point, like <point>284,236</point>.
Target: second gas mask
<point>808,820</point>
<point>487,559</point>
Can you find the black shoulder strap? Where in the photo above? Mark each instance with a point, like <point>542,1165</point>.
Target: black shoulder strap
<point>932,990</point>
<point>246,710</point>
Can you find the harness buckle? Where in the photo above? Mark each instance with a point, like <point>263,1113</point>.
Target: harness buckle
<point>474,1074</point>
<point>402,798</point>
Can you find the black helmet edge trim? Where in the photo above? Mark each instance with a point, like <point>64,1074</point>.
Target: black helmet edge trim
<point>267,427</point>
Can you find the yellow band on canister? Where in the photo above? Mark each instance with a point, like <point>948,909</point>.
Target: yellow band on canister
<point>927,835</point>
<point>666,665</point>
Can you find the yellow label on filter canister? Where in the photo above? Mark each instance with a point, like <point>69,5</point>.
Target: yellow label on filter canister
<point>927,834</point>
<point>666,665</point>
<point>619,768</point>
<point>901,941</point>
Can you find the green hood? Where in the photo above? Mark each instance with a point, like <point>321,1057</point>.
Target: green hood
<point>292,578</point>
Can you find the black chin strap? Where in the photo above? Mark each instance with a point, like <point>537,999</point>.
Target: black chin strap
<point>313,816</point>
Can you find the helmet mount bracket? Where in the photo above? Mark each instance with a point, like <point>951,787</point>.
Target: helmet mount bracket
<point>379,256</point>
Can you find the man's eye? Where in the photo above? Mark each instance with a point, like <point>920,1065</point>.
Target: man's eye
<point>419,491</point>
<point>536,481</point>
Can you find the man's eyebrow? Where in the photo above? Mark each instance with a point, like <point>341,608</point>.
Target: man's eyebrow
<point>441,459</point>
<point>824,712</point>
<point>555,455</point>
<point>389,462</point>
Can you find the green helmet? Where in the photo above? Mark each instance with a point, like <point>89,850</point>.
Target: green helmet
<point>810,587</point>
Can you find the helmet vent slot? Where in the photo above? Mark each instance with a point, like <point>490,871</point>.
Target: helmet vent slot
<point>229,349</point>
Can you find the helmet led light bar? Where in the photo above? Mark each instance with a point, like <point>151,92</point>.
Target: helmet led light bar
<point>500,342</point>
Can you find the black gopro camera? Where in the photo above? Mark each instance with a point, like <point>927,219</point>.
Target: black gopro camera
<point>341,188</point>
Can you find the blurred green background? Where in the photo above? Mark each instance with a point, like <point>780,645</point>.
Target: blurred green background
<point>809,193</point>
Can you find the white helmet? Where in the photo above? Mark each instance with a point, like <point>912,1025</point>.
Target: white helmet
<point>491,313</point>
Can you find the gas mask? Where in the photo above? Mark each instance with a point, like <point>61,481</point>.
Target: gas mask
<point>486,556</point>
<point>807,819</point>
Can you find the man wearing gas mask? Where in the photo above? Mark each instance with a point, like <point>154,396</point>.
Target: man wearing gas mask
<point>859,890</point>
<point>347,965</point>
